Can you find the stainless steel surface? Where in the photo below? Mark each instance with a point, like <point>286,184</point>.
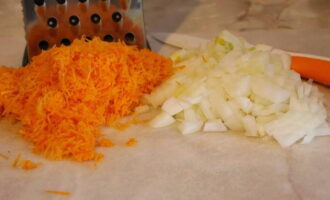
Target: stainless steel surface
<point>56,22</point>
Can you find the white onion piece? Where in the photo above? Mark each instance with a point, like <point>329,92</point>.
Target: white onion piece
<point>214,126</point>
<point>206,109</point>
<point>244,104</point>
<point>191,115</point>
<point>250,125</point>
<point>172,106</point>
<point>293,126</point>
<point>184,104</point>
<point>237,86</point>
<point>269,91</point>
<point>142,109</point>
<point>226,112</point>
<point>188,127</point>
<point>161,120</point>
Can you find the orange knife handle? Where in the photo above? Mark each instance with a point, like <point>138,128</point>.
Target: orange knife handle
<point>316,69</point>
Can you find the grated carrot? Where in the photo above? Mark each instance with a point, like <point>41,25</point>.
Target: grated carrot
<point>24,164</point>
<point>16,161</point>
<point>104,142</point>
<point>124,125</point>
<point>58,192</point>
<point>131,142</point>
<point>4,156</point>
<point>66,93</point>
<point>119,125</point>
<point>181,67</point>
<point>27,164</point>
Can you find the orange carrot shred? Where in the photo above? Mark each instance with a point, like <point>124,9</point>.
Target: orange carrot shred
<point>58,192</point>
<point>16,161</point>
<point>120,125</point>
<point>316,69</point>
<point>65,94</point>
<point>24,164</point>
<point>136,121</point>
<point>104,142</point>
<point>98,158</point>
<point>27,164</point>
<point>181,67</point>
<point>131,142</point>
<point>4,156</point>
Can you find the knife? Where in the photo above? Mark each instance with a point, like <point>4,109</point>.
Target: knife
<point>308,66</point>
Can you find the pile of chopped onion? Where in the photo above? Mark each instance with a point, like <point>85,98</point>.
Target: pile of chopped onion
<point>232,85</point>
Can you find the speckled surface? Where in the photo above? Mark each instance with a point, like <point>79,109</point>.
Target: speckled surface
<point>297,25</point>
<point>164,164</point>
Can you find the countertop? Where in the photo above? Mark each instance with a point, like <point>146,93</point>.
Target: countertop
<point>166,165</point>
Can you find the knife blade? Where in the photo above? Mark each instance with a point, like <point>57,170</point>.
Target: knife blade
<point>178,40</point>
<point>308,66</point>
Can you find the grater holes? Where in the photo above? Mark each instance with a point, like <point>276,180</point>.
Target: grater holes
<point>74,20</point>
<point>88,38</point>
<point>44,45</point>
<point>95,18</point>
<point>61,1</point>
<point>52,22</point>
<point>130,38</point>
<point>39,2</point>
<point>108,38</point>
<point>116,17</point>
<point>65,42</point>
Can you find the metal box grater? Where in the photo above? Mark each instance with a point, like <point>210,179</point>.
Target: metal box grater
<point>56,22</point>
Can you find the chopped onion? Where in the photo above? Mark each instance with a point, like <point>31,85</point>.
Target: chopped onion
<point>231,84</point>
<point>214,126</point>
<point>265,89</point>
<point>161,120</point>
<point>188,127</point>
<point>293,126</point>
<point>244,104</point>
<point>250,125</point>
<point>172,106</point>
<point>141,109</point>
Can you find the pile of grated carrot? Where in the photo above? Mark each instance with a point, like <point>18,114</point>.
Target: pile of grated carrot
<point>66,93</point>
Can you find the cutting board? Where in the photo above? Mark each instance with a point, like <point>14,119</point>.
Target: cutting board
<point>167,165</point>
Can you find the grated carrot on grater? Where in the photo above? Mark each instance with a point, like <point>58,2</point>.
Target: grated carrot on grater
<point>66,93</point>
